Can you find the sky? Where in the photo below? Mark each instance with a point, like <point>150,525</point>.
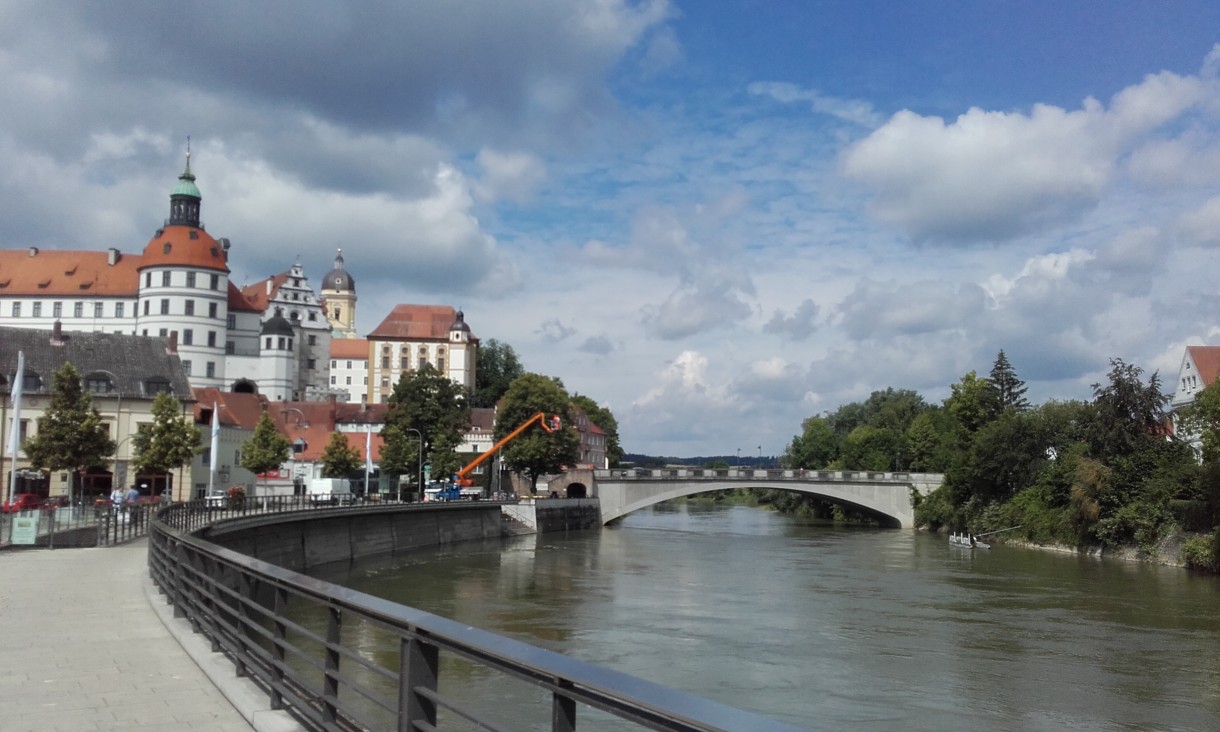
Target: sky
<point>717,219</point>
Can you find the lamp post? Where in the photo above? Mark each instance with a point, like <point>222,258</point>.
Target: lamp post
<point>298,445</point>
<point>760,456</point>
<point>738,463</point>
<point>419,467</point>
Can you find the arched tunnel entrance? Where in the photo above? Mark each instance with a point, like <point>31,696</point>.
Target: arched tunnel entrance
<point>576,490</point>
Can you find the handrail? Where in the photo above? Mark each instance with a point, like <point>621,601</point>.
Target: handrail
<point>292,635</point>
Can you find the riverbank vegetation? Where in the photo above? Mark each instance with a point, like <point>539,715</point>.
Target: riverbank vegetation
<point>1109,472</point>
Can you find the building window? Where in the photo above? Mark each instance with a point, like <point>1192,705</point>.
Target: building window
<point>165,306</point>
<point>230,348</point>
<point>211,310</point>
<point>211,339</point>
<point>440,364</point>
<point>78,309</point>
<point>16,310</point>
<point>366,381</point>
<point>385,382</point>
<point>188,337</point>
<point>311,363</point>
<point>118,310</point>
<point>231,321</point>
<point>57,310</point>
<point>385,362</point>
<point>190,307</point>
<point>97,310</point>
<point>349,364</point>
<point>313,317</point>
<point>148,279</point>
<point>313,340</point>
<point>333,380</point>
<point>211,369</point>
<point>190,279</point>
<point>186,367</point>
<point>164,333</point>
<point>215,284</point>
<point>405,363</point>
<point>146,302</point>
<point>349,381</point>
<point>165,279</point>
<point>99,384</point>
<point>38,310</point>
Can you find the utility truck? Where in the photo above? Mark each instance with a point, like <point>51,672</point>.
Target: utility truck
<point>330,490</point>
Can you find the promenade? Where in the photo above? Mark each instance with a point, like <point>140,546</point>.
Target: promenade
<point>87,644</point>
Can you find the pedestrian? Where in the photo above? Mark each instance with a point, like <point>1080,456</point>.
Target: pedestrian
<point>116,498</point>
<point>133,495</point>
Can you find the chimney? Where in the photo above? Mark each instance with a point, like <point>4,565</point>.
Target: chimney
<point>172,348</point>
<point>112,256</point>
<point>268,288</point>
<point>57,334</point>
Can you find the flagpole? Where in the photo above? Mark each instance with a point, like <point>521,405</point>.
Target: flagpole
<point>215,448</point>
<point>368,458</point>
<point>14,440</point>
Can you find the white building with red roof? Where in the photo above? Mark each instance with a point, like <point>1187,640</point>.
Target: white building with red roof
<point>1199,369</point>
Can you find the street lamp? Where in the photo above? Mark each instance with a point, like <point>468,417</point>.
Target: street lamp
<point>738,465</point>
<point>419,468</point>
<point>760,456</point>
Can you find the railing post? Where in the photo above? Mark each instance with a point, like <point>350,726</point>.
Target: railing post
<point>418,668</point>
<point>277,648</point>
<point>563,712</point>
<point>330,685</point>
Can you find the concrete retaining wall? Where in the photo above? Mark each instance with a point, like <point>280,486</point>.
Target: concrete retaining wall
<point>314,538</point>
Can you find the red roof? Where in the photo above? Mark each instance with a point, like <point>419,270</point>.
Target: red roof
<point>184,246</point>
<point>416,323</point>
<point>262,292</point>
<point>237,409</point>
<point>1207,362</point>
<point>238,301</point>
<point>349,348</point>
<point>38,272</point>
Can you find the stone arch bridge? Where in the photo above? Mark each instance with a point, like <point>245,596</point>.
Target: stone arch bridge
<point>887,496</point>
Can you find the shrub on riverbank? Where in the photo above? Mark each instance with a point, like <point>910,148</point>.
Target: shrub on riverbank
<point>1203,552</point>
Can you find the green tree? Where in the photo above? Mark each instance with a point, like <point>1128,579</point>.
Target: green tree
<point>870,448</point>
<point>339,459</point>
<point>498,368</point>
<point>432,403</point>
<point>973,403</point>
<point>604,419</point>
<point>267,449</point>
<point>71,436</point>
<point>815,448</point>
<point>537,452</point>
<point>1128,412</point>
<point>1202,418</point>
<point>1010,389</point>
<point>929,440</point>
<point>168,442</point>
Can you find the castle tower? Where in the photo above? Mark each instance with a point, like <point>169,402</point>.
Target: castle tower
<point>277,359</point>
<point>339,299</point>
<point>183,286</point>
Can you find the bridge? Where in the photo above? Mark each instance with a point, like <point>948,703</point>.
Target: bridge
<point>887,496</point>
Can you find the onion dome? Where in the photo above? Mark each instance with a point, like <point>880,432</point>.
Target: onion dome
<point>338,278</point>
<point>277,325</point>
<point>460,323</point>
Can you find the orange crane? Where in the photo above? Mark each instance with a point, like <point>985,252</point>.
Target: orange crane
<point>550,424</point>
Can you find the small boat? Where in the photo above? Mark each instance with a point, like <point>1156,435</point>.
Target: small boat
<point>968,541</point>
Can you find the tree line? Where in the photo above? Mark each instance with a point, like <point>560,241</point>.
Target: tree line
<point>1106,472</point>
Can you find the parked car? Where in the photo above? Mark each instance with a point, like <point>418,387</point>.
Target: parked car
<point>23,502</point>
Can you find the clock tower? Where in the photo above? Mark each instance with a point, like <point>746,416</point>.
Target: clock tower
<point>339,299</point>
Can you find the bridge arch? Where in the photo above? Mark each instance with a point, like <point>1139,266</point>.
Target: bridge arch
<point>886,496</point>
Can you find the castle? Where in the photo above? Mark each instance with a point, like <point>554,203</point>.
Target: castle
<point>276,337</point>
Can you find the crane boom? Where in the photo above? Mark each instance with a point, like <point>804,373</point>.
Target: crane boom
<point>549,424</point>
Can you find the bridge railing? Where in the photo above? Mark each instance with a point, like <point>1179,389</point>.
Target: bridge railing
<point>768,474</point>
<point>308,644</point>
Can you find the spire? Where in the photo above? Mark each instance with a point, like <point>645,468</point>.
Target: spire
<point>184,199</point>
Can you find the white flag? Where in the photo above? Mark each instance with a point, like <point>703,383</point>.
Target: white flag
<point>14,438</point>
<point>215,447</point>
<point>368,451</point>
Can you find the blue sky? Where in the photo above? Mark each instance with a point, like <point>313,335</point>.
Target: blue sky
<point>715,218</point>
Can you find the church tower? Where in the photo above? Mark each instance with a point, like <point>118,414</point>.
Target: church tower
<point>339,299</point>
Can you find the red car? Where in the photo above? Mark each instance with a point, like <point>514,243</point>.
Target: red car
<point>23,502</point>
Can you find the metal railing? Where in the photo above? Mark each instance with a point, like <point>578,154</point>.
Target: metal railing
<point>306,643</point>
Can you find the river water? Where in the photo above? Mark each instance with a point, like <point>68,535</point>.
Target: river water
<point>830,627</point>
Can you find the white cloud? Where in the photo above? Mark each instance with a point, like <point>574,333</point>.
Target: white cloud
<point>990,176</point>
<point>855,111</point>
<point>513,176</point>
<point>798,326</point>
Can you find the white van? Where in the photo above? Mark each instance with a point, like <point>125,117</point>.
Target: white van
<point>330,490</point>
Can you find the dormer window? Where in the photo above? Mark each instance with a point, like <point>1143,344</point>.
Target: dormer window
<point>166,248</point>
<point>99,383</point>
<point>157,385</point>
<point>31,382</point>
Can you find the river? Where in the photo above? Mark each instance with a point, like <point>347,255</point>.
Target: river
<point>828,627</point>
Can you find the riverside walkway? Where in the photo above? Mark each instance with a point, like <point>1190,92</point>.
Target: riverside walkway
<point>87,643</point>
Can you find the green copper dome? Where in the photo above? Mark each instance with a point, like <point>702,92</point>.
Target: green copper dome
<point>186,183</point>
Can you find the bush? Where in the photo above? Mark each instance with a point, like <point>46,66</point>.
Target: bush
<point>237,497</point>
<point>1203,552</point>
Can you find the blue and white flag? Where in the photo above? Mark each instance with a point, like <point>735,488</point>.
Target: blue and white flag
<point>14,437</point>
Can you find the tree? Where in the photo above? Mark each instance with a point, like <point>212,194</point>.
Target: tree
<point>339,459</point>
<point>498,369</point>
<point>1201,418</point>
<point>604,419</point>
<point>267,449</point>
<point>430,402</point>
<point>1127,411</point>
<point>814,448</point>
<point>973,403</point>
<point>71,436</point>
<point>168,442</point>
<point>870,448</point>
<point>1011,389</point>
<point>537,452</point>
